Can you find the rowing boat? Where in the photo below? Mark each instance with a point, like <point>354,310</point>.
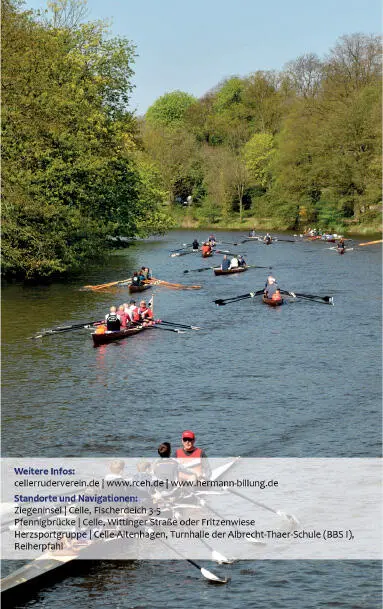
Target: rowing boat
<point>207,254</point>
<point>53,566</point>
<point>272,302</point>
<point>341,250</point>
<point>110,337</point>
<point>238,269</point>
<point>176,254</point>
<point>139,288</point>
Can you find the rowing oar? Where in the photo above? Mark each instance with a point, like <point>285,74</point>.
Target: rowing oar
<point>66,328</point>
<point>205,268</point>
<point>223,301</point>
<point>291,519</point>
<point>106,285</point>
<point>180,286</point>
<point>207,574</point>
<point>171,323</point>
<point>321,299</point>
<point>221,559</point>
<point>224,252</point>
<point>158,327</point>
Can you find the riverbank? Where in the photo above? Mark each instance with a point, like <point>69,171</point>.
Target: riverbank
<point>189,221</point>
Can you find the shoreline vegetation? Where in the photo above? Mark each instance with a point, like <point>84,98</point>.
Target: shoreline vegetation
<point>277,151</point>
<point>190,222</point>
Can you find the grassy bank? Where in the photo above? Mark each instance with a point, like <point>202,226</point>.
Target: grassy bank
<point>187,219</point>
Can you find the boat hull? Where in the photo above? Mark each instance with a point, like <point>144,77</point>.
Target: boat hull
<point>239,269</point>
<point>133,289</point>
<point>51,567</point>
<point>110,337</point>
<point>207,255</point>
<point>271,302</point>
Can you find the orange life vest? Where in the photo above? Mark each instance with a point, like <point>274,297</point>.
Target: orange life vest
<point>196,454</point>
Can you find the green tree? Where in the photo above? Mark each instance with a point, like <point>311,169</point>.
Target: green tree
<point>68,143</point>
<point>173,152</point>
<point>170,109</point>
<point>258,153</point>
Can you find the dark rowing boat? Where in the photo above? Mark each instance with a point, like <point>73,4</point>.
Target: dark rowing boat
<point>139,288</point>
<point>238,269</point>
<point>110,337</point>
<point>272,302</point>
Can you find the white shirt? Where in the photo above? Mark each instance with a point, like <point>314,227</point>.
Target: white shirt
<point>233,263</point>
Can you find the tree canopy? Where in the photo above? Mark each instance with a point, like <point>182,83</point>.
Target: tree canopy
<point>284,149</point>
<point>71,176</point>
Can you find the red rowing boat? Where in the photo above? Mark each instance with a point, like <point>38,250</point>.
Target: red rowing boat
<point>110,337</point>
<point>272,302</point>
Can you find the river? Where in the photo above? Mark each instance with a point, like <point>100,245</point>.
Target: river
<point>301,380</point>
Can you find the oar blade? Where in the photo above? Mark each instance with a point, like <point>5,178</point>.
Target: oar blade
<point>213,578</point>
<point>220,558</point>
<point>290,518</point>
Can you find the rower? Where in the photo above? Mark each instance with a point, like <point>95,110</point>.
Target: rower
<point>241,260</point>
<point>113,322</point>
<point>132,312</point>
<point>234,264</point>
<point>195,244</point>
<point>142,274</point>
<point>122,315</point>
<point>270,287</point>
<point>145,272</point>
<point>206,249</point>
<point>225,264</point>
<point>116,469</point>
<point>168,468</point>
<point>277,294</point>
<point>341,244</point>
<point>136,279</point>
<point>212,241</point>
<point>267,239</point>
<point>189,451</point>
<point>144,312</point>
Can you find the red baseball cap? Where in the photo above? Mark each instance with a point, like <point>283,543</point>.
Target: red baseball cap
<point>188,435</point>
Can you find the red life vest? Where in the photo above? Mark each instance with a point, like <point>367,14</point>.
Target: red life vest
<point>146,312</point>
<point>133,314</point>
<point>196,454</point>
<point>276,296</point>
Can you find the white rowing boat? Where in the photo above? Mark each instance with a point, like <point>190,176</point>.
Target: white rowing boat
<point>51,565</point>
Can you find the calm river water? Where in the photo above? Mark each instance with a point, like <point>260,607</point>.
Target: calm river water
<point>302,380</point>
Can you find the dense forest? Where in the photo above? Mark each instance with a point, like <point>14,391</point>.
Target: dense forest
<point>272,150</point>
<point>277,150</point>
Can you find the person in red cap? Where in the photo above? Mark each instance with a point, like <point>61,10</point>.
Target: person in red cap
<point>189,451</point>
